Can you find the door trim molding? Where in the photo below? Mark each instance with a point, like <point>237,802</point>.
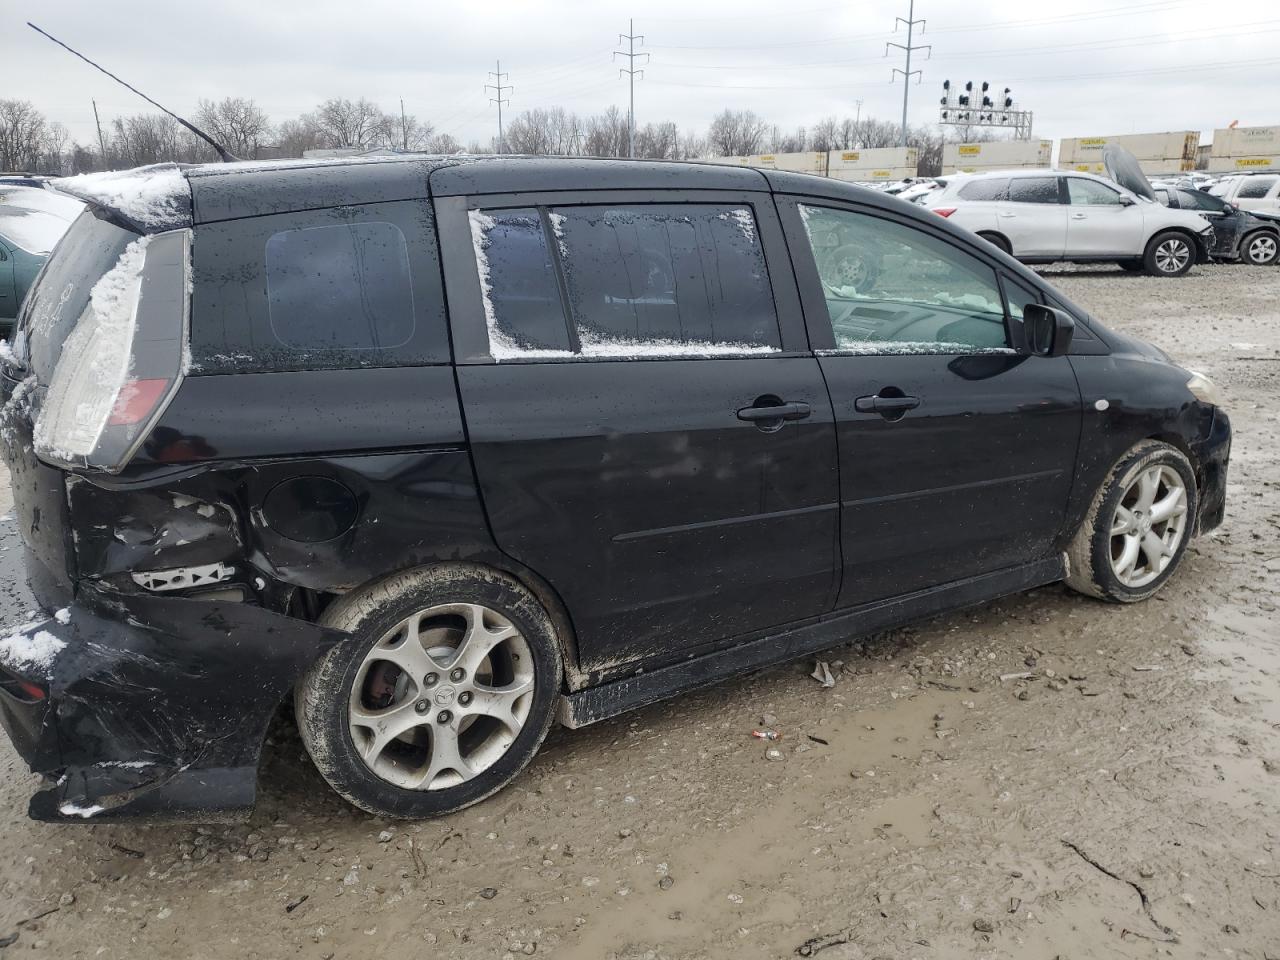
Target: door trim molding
<point>611,699</point>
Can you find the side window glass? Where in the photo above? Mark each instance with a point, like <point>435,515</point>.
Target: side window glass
<point>1034,190</point>
<point>1018,296</point>
<point>646,280</point>
<point>1091,193</point>
<point>518,279</point>
<point>985,189</point>
<point>1255,188</point>
<point>891,288</point>
<point>340,287</point>
<point>678,278</point>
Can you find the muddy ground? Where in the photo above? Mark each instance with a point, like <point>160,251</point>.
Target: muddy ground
<point>1121,803</point>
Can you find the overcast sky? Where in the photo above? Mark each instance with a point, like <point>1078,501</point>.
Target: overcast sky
<point>1086,68</point>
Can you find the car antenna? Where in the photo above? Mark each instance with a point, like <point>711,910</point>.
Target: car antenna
<point>226,155</point>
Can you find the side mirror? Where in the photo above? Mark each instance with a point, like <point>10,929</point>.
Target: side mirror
<point>1047,331</point>
<point>1126,201</point>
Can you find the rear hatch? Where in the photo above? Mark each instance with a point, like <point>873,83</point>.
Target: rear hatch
<point>96,355</point>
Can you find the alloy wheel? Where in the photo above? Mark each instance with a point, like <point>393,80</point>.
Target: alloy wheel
<point>1263,250</point>
<point>1172,255</point>
<point>441,696</point>
<point>1148,526</point>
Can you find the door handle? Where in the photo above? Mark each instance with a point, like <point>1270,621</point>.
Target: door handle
<point>1008,215</point>
<point>886,406</point>
<point>795,410</point>
<point>1079,216</point>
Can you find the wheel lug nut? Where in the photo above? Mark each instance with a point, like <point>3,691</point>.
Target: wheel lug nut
<point>458,675</point>
<point>444,716</point>
<point>464,698</point>
<point>431,679</point>
<point>422,706</point>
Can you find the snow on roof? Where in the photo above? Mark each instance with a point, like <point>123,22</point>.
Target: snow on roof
<point>154,196</point>
<point>32,230</point>
<point>38,198</point>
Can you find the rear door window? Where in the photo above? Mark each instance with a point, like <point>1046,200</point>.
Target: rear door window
<point>354,286</point>
<point>624,281</point>
<point>1034,190</point>
<point>1255,188</point>
<point>994,188</point>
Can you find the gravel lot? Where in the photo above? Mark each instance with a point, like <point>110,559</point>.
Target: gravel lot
<point>1123,803</point>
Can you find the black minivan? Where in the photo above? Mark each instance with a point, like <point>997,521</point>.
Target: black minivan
<point>449,449</point>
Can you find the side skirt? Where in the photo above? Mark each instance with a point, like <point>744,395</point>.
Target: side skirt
<point>611,699</point>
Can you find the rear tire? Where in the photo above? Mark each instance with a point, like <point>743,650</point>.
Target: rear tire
<point>1137,528</point>
<point>442,696</point>
<point>1169,254</point>
<point>1260,249</point>
<point>997,241</point>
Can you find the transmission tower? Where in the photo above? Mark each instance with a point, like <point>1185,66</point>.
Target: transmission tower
<point>630,72</point>
<point>498,87</point>
<point>908,48</point>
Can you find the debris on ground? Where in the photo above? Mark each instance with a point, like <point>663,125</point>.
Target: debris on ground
<point>822,673</point>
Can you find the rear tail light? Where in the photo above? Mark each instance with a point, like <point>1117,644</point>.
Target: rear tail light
<point>124,360</point>
<point>944,211</point>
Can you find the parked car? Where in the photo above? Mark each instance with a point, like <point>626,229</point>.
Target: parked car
<point>1237,235</point>
<point>32,220</point>
<point>451,449</point>
<point>1252,191</point>
<point>1046,216</point>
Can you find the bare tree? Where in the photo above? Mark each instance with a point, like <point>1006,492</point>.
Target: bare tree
<point>658,141</point>
<point>442,143</point>
<point>545,132</point>
<point>353,123</point>
<point>605,135</point>
<point>735,133</point>
<point>24,136</point>
<point>240,125</point>
<point>294,137</point>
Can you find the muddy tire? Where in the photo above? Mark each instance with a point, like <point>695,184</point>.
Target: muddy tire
<point>1138,526</point>
<point>1169,254</point>
<point>444,694</point>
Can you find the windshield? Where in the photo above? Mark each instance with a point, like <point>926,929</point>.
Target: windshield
<point>90,248</point>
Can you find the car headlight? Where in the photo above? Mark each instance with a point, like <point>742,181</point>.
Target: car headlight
<point>1204,389</point>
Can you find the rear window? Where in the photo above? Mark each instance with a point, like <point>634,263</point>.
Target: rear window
<point>1034,190</point>
<point>90,248</point>
<point>354,286</point>
<point>993,189</point>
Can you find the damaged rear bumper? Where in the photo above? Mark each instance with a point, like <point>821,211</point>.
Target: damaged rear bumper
<point>150,707</point>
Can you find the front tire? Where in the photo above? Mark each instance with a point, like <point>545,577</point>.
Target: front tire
<point>1169,254</point>
<point>1260,249</point>
<point>997,241</point>
<point>1137,528</point>
<point>442,696</point>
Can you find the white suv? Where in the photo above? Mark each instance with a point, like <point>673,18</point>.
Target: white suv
<point>1043,216</point>
<point>1254,191</point>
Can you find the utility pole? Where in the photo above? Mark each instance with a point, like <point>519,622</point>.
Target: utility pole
<point>911,23</point>
<point>498,87</point>
<point>857,117</point>
<point>630,71</point>
<point>102,143</point>
<point>404,128</point>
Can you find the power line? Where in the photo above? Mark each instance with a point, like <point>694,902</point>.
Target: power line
<point>630,72</point>
<point>497,87</point>
<point>908,48</point>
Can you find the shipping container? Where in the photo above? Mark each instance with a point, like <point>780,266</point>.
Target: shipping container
<point>1159,153</point>
<point>874,165</point>
<point>1245,148</point>
<point>996,155</point>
